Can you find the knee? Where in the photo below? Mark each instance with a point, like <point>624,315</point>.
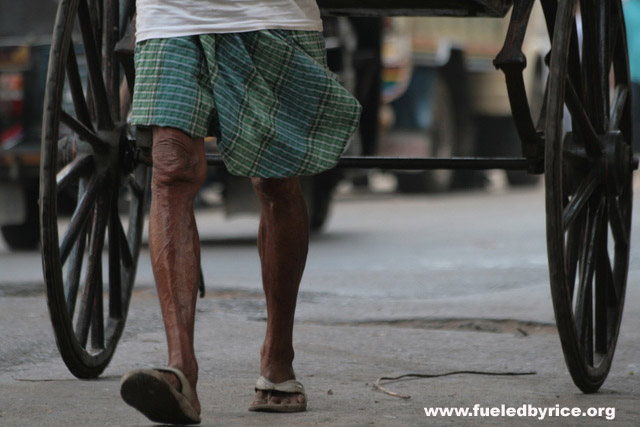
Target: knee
<point>178,160</point>
<point>270,189</point>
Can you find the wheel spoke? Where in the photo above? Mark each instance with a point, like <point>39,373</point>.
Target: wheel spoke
<point>80,216</point>
<point>95,69</point>
<point>603,285</point>
<point>97,314</point>
<point>115,275</point>
<point>583,242</point>
<point>618,224</point>
<point>124,52</point>
<point>75,269</point>
<point>66,149</point>
<point>595,64</point>
<point>574,155</point>
<point>84,132</point>
<point>93,281</point>
<point>80,166</point>
<point>615,19</point>
<point>584,298</point>
<point>580,117</point>
<point>604,64</point>
<point>617,107</point>
<point>620,58</point>
<point>615,289</point>
<point>125,251</point>
<point>584,320</point>
<point>77,93</point>
<point>111,19</point>
<point>572,250</point>
<point>580,198</point>
<point>135,187</point>
<point>573,67</point>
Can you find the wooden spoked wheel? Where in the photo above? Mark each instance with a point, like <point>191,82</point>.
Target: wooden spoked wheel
<point>588,168</point>
<point>92,190</point>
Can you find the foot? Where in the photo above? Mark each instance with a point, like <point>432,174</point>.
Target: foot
<point>286,396</point>
<point>277,398</point>
<point>175,382</point>
<point>159,397</point>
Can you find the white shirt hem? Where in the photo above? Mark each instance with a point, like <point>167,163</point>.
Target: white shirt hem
<point>238,28</point>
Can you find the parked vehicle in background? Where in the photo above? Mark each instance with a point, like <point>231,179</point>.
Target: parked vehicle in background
<point>442,96</point>
<point>25,31</point>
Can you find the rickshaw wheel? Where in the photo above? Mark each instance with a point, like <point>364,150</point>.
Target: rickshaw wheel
<point>88,169</point>
<point>588,167</point>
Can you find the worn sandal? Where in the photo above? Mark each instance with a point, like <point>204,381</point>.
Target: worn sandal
<point>149,392</point>
<point>291,386</point>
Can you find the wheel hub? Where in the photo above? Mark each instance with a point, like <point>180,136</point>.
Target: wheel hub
<point>117,157</point>
<point>617,161</point>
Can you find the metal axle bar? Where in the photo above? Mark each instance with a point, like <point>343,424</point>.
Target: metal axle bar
<point>414,163</point>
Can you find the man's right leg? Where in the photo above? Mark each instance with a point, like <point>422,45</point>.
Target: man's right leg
<point>179,169</point>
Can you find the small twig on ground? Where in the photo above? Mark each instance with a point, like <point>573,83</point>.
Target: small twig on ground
<point>378,386</point>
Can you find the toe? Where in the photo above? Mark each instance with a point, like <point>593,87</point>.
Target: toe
<point>261,397</point>
<point>281,398</point>
<point>275,399</point>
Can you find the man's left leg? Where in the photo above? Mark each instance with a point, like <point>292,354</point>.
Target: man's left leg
<point>283,241</point>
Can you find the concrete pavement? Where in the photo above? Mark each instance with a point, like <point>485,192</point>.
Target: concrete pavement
<point>344,340</point>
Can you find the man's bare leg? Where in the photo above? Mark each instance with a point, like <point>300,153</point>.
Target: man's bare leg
<point>179,169</point>
<point>283,241</point>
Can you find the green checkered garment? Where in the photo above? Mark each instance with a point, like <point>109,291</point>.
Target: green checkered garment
<point>267,96</point>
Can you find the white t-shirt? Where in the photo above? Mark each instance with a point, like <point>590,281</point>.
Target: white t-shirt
<point>176,18</point>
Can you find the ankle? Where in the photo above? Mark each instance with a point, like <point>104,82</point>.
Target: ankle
<point>277,366</point>
<point>277,355</point>
<point>277,373</point>
<point>190,370</point>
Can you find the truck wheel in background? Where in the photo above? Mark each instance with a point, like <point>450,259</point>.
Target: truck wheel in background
<point>25,236</point>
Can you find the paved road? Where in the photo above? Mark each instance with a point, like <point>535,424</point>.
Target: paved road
<point>394,285</point>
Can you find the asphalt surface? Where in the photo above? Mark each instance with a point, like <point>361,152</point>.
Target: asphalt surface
<point>395,285</point>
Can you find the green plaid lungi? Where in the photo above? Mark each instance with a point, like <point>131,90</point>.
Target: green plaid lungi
<point>268,97</point>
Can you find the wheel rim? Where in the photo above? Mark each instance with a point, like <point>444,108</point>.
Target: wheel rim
<point>86,155</point>
<point>588,167</point>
